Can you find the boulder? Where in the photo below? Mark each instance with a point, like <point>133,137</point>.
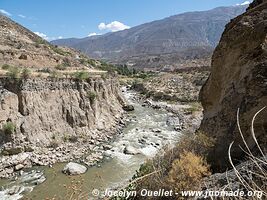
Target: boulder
<point>19,167</point>
<point>130,150</point>
<point>74,169</point>
<point>128,108</point>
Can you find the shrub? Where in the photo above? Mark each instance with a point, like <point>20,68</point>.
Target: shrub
<point>189,154</point>
<point>40,41</point>
<point>54,74</point>
<point>25,73</point>
<point>82,75</point>
<point>187,172</point>
<point>9,128</point>
<point>13,72</point>
<point>91,95</point>
<point>60,67</point>
<point>6,67</point>
<point>59,50</point>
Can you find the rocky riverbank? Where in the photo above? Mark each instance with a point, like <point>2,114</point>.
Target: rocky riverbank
<point>45,121</point>
<point>88,153</point>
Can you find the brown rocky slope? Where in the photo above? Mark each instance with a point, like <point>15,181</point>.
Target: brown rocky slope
<point>238,80</point>
<point>22,48</point>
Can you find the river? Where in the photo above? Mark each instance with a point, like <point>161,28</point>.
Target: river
<point>147,131</point>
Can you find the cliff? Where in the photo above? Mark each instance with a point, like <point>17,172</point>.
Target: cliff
<point>238,79</point>
<point>46,110</point>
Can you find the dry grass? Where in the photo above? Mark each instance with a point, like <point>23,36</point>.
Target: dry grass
<point>257,181</point>
<point>187,172</point>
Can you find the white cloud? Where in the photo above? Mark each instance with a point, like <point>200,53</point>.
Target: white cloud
<point>5,12</point>
<point>22,16</point>
<point>42,35</point>
<point>243,4</point>
<point>113,26</point>
<point>93,34</point>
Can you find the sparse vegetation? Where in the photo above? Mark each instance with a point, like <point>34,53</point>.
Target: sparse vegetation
<point>59,51</point>
<point>194,107</point>
<point>81,75</point>
<point>186,173</point>
<point>40,41</point>
<point>6,67</point>
<point>91,95</point>
<point>86,62</point>
<point>9,128</point>
<point>182,167</point>
<point>54,74</point>
<point>13,72</point>
<point>60,67</point>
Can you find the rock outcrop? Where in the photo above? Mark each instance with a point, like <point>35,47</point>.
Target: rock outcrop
<point>238,80</point>
<point>45,111</point>
<point>74,169</point>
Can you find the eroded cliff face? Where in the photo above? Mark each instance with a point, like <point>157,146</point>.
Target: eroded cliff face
<point>238,80</point>
<point>45,110</point>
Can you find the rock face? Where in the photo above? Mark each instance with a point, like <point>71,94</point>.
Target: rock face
<point>48,110</point>
<point>74,169</point>
<point>238,80</point>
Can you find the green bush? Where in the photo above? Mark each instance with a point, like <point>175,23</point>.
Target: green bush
<point>91,95</point>
<point>9,128</point>
<point>6,67</point>
<point>40,41</point>
<point>13,72</point>
<point>82,75</point>
<point>59,50</point>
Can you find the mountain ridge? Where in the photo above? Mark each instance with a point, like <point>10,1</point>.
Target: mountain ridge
<point>188,37</point>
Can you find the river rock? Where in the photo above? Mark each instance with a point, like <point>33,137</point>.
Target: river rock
<point>128,108</point>
<point>15,190</point>
<point>74,169</point>
<point>130,150</point>
<point>19,167</point>
<point>156,130</point>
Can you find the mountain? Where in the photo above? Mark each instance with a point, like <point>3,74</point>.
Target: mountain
<point>22,48</point>
<point>175,42</point>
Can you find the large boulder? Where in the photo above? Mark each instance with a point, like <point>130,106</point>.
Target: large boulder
<point>238,79</point>
<point>74,169</point>
<point>130,150</point>
<point>128,108</point>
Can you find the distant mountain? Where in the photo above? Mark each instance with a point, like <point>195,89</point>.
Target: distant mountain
<point>174,42</point>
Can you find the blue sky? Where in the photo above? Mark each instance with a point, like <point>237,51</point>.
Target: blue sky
<point>79,18</point>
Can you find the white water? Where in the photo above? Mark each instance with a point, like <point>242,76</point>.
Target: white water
<point>146,131</point>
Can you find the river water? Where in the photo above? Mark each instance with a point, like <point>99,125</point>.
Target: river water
<point>147,131</point>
